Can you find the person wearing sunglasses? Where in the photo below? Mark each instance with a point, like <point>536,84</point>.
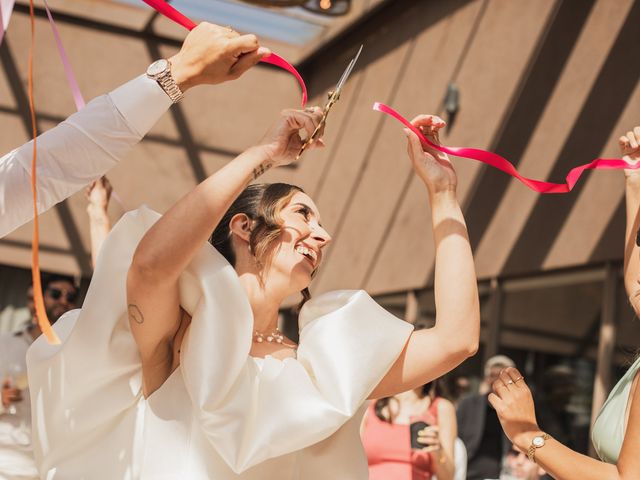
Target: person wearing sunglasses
<point>16,455</point>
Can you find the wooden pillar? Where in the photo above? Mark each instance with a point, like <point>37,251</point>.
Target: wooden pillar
<point>606,344</point>
<point>492,342</point>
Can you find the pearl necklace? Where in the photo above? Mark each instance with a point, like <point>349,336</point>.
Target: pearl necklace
<point>275,336</point>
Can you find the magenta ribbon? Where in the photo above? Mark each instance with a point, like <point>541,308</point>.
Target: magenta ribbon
<point>496,161</point>
<point>171,13</point>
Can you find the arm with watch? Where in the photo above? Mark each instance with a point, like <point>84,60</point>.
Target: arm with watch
<point>513,401</point>
<point>93,140</point>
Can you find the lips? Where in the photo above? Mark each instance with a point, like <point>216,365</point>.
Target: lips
<point>308,253</point>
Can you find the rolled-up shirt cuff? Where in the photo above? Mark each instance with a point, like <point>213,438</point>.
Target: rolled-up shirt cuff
<point>141,102</point>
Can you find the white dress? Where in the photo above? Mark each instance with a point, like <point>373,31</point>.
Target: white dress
<point>222,414</point>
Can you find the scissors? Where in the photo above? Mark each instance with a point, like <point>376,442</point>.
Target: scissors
<point>334,96</point>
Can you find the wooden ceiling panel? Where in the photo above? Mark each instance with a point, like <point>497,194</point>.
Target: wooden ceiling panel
<point>473,126</point>
<point>547,140</point>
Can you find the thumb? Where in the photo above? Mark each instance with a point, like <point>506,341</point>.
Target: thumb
<point>414,146</point>
<point>248,60</point>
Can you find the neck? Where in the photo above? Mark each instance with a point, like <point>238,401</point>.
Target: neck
<point>414,395</point>
<point>265,302</point>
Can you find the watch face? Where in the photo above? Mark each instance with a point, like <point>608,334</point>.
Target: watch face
<point>157,67</point>
<point>538,442</point>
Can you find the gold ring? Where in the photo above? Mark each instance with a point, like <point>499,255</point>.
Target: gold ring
<point>518,379</point>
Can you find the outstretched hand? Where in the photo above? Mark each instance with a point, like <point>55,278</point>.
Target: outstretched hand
<point>213,54</point>
<point>431,165</point>
<point>630,148</point>
<point>283,142</point>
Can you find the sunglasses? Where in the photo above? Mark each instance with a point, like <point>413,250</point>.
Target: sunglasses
<point>56,294</point>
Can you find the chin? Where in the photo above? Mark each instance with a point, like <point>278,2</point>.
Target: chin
<point>300,278</point>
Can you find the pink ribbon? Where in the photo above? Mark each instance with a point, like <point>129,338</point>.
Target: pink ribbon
<point>171,13</point>
<point>6,8</point>
<point>68,71</point>
<point>71,80</point>
<point>503,164</point>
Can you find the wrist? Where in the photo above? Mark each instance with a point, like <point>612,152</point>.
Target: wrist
<point>97,212</point>
<point>182,74</point>
<point>259,160</point>
<point>443,196</point>
<point>523,439</point>
<point>632,177</point>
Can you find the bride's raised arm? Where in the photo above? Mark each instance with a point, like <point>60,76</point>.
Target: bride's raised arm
<point>431,353</point>
<point>168,247</point>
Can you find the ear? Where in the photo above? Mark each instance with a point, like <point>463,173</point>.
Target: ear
<point>240,226</point>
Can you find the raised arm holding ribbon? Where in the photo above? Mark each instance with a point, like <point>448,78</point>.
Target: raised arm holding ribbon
<point>90,142</point>
<point>616,431</point>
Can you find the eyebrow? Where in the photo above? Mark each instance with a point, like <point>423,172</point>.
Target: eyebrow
<point>300,204</point>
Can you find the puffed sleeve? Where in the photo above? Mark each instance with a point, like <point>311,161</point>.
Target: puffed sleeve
<point>269,407</point>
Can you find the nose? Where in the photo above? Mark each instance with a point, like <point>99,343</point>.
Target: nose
<point>321,236</point>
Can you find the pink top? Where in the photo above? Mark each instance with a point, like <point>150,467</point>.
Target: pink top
<point>388,447</point>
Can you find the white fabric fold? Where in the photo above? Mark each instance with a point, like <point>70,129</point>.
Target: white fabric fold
<point>229,415</point>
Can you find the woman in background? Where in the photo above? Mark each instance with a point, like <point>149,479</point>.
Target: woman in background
<point>386,435</point>
<point>616,432</point>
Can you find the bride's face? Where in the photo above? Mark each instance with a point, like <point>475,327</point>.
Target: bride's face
<point>302,240</point>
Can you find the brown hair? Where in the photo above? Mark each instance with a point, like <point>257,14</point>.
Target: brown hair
<point>262,203</point>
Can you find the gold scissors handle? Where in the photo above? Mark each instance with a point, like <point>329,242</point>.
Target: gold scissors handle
<point>334,96</point>
<point>316,132</point>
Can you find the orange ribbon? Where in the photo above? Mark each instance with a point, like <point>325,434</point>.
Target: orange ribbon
<point>38,297</point>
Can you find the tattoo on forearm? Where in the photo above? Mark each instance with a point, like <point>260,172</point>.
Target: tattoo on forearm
<point>260,169</point>
<point>135,314</point>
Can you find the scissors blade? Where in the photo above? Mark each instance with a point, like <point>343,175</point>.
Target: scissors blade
<point>347,71</point>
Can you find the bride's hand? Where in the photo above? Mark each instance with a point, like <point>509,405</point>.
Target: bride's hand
<point>431,165</point>
<point>282,142</point>
<point>630,149</point>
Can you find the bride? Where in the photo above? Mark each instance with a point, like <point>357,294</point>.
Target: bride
<point>175,368</point>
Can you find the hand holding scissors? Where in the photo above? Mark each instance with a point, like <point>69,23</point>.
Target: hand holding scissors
<point>334,96</point>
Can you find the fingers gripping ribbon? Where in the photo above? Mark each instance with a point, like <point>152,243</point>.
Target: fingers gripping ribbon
<point>171,13</point>
<point>503,164</point>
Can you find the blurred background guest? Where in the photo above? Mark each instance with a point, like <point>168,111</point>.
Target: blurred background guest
<point>386,435</point>
<point>16,459</point>
<point>479,427</point>
<point>517,466</point>
<point>60,296</point>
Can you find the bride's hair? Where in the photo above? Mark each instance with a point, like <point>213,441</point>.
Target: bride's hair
<point>262,203</point>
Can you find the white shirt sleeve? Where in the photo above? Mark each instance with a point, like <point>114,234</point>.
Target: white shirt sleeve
<point>79,150</point>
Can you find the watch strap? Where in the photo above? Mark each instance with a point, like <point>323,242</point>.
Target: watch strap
<point>531,452</point>
<point>168,83</point>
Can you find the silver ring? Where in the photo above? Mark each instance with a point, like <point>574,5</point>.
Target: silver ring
<point>510,382</point>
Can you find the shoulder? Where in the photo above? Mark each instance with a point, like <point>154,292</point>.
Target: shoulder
<point>445,407</point>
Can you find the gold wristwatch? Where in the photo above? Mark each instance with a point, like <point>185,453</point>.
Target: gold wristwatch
<point>537,442</point>
<point>160,71</point>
